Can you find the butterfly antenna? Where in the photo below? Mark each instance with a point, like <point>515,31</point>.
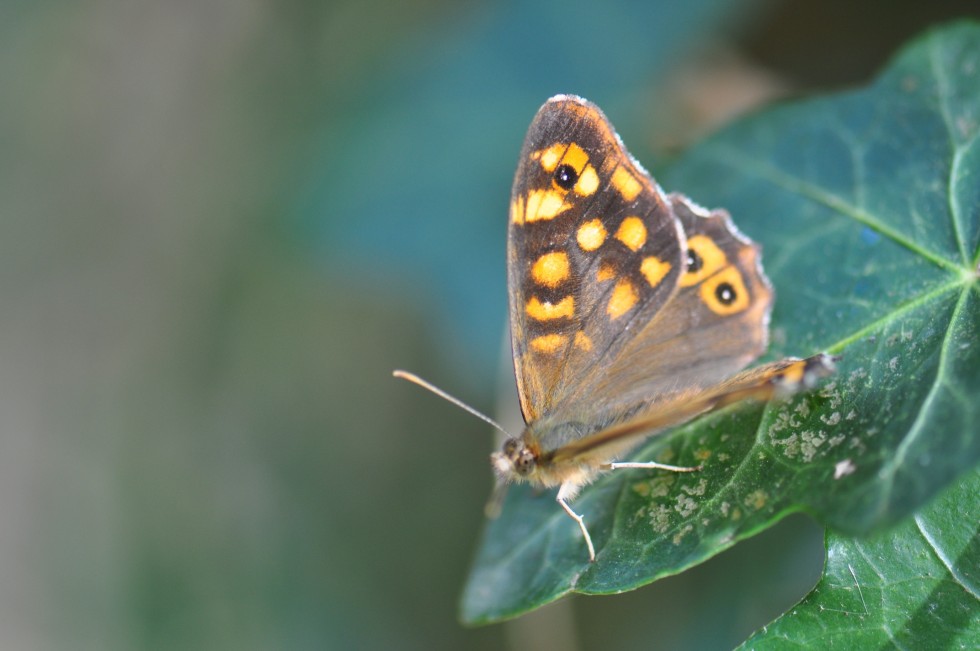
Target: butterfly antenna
<point>414,379</point>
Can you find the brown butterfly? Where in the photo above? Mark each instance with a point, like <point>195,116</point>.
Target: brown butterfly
<point>631,311</point>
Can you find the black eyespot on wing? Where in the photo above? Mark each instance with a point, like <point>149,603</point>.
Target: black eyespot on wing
<point>694,261</point>
<point>725,293</point>
<point>566,177</point>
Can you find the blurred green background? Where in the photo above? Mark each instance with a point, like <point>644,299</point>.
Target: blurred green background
<point>223,225</point>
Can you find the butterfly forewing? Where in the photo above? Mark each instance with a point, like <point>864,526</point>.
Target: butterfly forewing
<point>594,251</point>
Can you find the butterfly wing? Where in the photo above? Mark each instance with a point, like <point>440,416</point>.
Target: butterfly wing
<point>783,377</point>
<point>594,251</point>
<point>711,328</point>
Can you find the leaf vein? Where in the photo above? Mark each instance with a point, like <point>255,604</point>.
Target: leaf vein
<point>941,556</point>
<point>889,470</point>
<point>908,306</point>
<point>816,194</point>
<point>943,92</point>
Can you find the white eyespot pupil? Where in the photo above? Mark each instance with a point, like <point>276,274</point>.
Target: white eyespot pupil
<point>725,293</point>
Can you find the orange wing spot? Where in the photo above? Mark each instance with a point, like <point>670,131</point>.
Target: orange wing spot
<point>549,157</point>
<point>623,299</point>
<point>548,311</point>
<point>548,343</point>
<point>544,204</point>
<point>582,341</point>
<point>654,270</point>
<point>591,235</point>
<point>562,154</point>
<point>632,233</point>
<point>625,183</point>
<point>606,272</point>
<point>725,293</point>
<point>517,211</point>
<point>707,256</point>
<point>576,157</point>
<point>588,182</point>
<point>551,269</point>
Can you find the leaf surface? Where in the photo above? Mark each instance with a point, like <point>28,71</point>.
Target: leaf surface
<point>915,587</point>
<point>867,205</point>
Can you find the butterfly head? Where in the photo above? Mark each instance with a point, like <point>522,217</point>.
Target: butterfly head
<point>514,461</point>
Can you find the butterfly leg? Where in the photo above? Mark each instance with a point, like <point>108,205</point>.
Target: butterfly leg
<point>649,465</point>
<point>565,493</point>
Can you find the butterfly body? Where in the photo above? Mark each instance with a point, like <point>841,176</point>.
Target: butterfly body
<point>631,310</point>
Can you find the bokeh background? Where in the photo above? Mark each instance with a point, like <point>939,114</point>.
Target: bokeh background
<point>223,223</point>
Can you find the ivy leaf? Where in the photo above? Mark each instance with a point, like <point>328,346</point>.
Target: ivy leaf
<point>915,587</point>
<point>868,208</point>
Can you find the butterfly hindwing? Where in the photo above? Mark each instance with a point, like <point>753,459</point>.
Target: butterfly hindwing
<point>712,327</point>
<point>594,251</point>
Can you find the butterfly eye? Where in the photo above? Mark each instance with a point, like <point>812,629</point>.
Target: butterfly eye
<point>566,177</point>
<point>725,293</point>
<point>524,462</point>
<point>694,261</point>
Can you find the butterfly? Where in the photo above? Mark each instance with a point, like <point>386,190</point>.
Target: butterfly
<point>631,310</point>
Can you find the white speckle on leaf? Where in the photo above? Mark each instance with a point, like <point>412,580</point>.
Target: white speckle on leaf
<point>831,420</point>
<point>756,499</point>
<point>790,444</point>
<point>893,364</point>
<point>856,444</point>
<point>844,468</point>
<point>657,487</point>
<point>810,442</point>
<point>857,374</point>
<point>699,489</point>
<point>782,421</point>
<point>829,391</point>
<point>685,506</point>
<point>679,536</point>
<point>659,518</point>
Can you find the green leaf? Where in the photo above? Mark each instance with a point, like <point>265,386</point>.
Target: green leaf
<point>915,587</point>
<point>868,208</point>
